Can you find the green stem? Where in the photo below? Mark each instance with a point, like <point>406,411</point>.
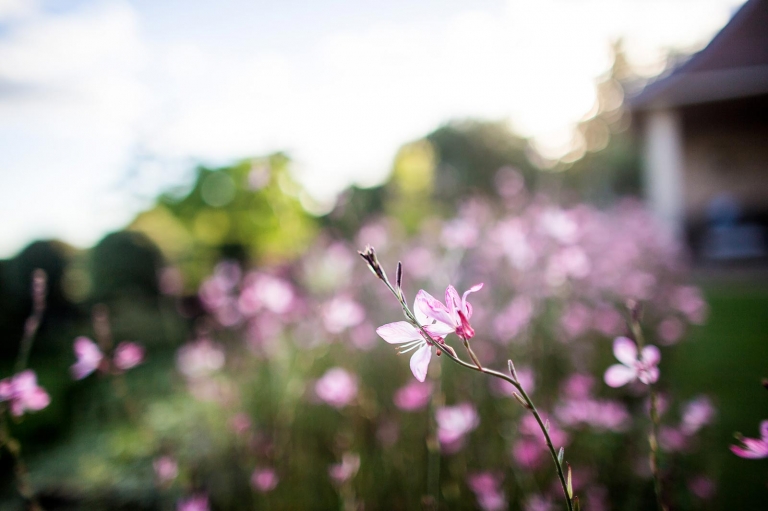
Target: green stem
<point>451,354</point>
<point>653,442</point>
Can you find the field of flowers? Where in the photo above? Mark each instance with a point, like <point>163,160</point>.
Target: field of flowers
<point>303,386</point>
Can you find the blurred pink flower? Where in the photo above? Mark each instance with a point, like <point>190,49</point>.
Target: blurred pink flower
<point>754,448</point>
<point>240,423</point>
<point>689,301</point>
<point>538,503</point>
<point>453,424</point>
<point>697,413</point>
<point>341,313</point>
<point>166,469</point>
<point>199,358</point>
<point>459,233</point>
<point>633,368</point>
<point>528,453</point>
<point>193,503</point>
<point>530,427</point>
<point>264,479</point>
<point>337,387</point>
<point>672,439</point>
<point>413,396</point>
<point>514,319</point>
<point>503,388</point>
<point>486,487</point>
<point>670,331</point>
<point>89,357</point>
<point>261,290</point>
<point>702,486</point>
<point>23,393</point>
<point>128,355</point>
<point>576,319</point>
<point>346,470</point>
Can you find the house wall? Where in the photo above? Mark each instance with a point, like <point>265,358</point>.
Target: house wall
<point>725,150</point>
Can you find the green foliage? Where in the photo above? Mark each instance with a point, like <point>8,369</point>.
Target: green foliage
<point>125,263</point>
<point>470,153</point>
<point>249,211</point>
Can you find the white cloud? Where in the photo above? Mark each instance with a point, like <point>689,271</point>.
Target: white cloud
<point>89,87</point>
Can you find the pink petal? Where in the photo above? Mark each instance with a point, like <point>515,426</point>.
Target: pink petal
<point>24,381</point>
<point>466,307</point>
<point>651,355</point>
<point>420,362</point>
<point>37,399</point>
<point>399,332</point>
<point>618,375</point>
<point>649,376</point>
<point>6,389</point>
<point>764,431</point>
<point>419,306</point>
<point>625,350</point>
<point>750,453</point>
<point>433,309</point>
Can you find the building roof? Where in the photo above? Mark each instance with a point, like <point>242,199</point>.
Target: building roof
<point>733,65</point>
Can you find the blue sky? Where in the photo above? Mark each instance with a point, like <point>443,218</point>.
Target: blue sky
<point>103,103</point>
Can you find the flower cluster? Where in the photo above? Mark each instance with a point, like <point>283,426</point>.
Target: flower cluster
<point>23,393</point>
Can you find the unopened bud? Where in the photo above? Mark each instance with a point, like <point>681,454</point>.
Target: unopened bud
<point>512,371</point>
<point>369,254</point>
<point>399,275</point>
<point>546,425</point>
<point>521,400</point>
<point>569,482</point>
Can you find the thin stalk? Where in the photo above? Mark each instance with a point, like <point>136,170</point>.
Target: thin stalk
<point>653,442</point>
<point>451,354</point>
<point>13,447</point>
<point>39,284</point>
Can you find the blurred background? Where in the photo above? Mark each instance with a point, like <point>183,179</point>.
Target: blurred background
<point>196,177</point>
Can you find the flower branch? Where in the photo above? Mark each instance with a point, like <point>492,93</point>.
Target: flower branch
<point>460,319</point>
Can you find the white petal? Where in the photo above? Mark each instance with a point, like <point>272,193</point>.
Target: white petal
<point>420,362</point>
<point>618,375</point>
<point>433,309</point>
<point>399,332</point>
<point>439,329</point>
<point>625,350</point>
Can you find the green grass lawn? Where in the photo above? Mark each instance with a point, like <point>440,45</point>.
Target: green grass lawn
<point>727,358</point>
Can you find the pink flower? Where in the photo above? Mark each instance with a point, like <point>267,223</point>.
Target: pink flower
<point>264,480</point>
<point>456,312</point>
<point>200,358</point>
<point>453,424</point>
<point>23,393</point>
<point>754,448</point>
<point>89,357</point>
<point>528,452</point>
<point>346,470</point>
<point>194,503</point>
<point>413,396</point>
<point>166,469</point>
<point>486,487</point>
<point>341,313</point>
<point>128,355</point>
<point>437,319</point>
<point>633,368</point>
<point>337,387</point>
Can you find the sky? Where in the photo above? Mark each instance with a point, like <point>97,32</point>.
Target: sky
<point>106,103</point>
